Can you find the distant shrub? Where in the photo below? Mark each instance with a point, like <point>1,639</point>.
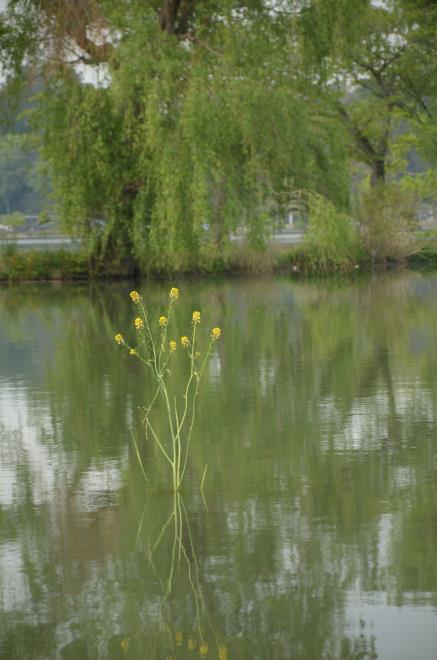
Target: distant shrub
<point>387,219</point>
<point>332,241</point>
<point>35,265</point>
<point>14,220</point>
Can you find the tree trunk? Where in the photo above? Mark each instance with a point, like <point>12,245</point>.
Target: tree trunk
<point>378,171</point>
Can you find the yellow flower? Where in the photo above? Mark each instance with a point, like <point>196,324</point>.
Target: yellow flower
<point>119,338</point>
<point>179,638</point>
<point>223,653</point>
<point>191,644</point>
<point>185,341</point>
<point>196,317</point>
<point>172,345</point>
<point>139,323</point>
<point>215,334</point>
<point>124,644</point>
<point>163,321</point>
<point>135,296</point>
<point>203,648</point>
<point>174,293</point>
<point>132,351</point>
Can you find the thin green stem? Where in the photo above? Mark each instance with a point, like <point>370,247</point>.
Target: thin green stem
<point>164,336</point>
<point>161,534</point>
<point>140,526</point>
<point>177,443</point>
<point>181,422</point>
<point>193,416</point>
<point>150,406</point>
<point>149,332</point>
<point>139,459</point>
<point>173,555</point>
<point>170,419</point>
<point>197,591</point>
<point>203,478</point>
<point>149,426</point>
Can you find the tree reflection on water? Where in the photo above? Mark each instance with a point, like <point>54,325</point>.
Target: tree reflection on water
<point>317,422</point>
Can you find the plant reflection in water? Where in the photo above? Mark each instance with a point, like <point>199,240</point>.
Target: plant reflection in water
<point>182,565</point>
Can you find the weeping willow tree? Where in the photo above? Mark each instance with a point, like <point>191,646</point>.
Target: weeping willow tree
<point>168,124</point>
<point>193,119</point>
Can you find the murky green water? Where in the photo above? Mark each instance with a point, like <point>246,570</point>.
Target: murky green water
<point>317,421</point>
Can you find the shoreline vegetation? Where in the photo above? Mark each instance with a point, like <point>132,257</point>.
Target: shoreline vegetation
<point>382,232</point>
<point>160,131</point>
<point>298,261</point>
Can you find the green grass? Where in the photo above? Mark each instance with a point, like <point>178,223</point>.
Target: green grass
<point>39,265</point>
<point>298,261</point>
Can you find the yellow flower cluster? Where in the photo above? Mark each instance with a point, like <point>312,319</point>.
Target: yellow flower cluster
<point>174,293</point>
<point>135,296</point>
<point>185,341</point>
<point>163,321</point>
<point>203,648</point>
<point>215,334</point>
<point>119,338</point>
<point>223,652</point>
<point>132,351</point>
<point>196,317</point>
<point>139,323</point>
<point>172,345</point>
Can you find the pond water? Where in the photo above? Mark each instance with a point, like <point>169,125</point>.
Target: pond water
<point>317,533</point>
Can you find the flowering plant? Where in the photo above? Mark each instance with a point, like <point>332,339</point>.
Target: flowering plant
<point>155,352</point>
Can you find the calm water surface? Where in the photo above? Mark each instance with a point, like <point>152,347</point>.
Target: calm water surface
<point>317,421</point>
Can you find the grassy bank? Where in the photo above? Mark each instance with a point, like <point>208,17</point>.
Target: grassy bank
<point>57,265</point>
<point>298,261</point>
<point>38,265</point>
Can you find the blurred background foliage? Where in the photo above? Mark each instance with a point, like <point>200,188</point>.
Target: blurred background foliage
<point>166,126</point>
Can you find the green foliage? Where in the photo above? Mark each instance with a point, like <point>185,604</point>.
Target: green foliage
<point>82,142</point>
<point>377,65</point>
<point>205,117</point>
<point>387,216</point>
<point>331,241</point>
<point>16,265</point>
<point>189,140</point>
<point>14,220</point>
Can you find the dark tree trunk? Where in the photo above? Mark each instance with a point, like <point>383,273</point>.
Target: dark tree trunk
<point>175,15</point>
<point>378,171</point>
